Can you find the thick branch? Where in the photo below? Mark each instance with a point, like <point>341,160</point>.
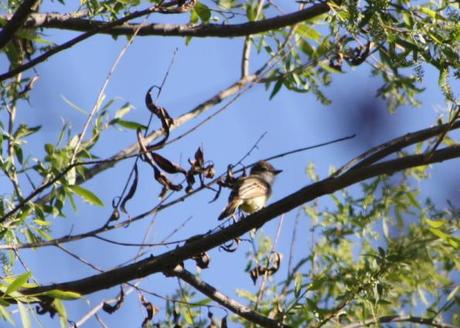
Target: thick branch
<point>224,300</point>
<point>168,260</point>
<point>381,151</point>
<point>396,318</point>
<point>19,17</point>
<point>91,32</point>
<point>58,21</point>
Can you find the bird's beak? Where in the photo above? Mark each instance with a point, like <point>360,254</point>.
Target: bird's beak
<point>276,172</point>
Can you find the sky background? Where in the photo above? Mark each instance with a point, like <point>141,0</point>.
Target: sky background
<point>200,70</point>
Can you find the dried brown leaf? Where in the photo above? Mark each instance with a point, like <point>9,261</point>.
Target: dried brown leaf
<point>166,165</point>
<point>162,114</point>
<point>223,322</point>
<point>150,308</point>
<point>164,181</point>
<point>132,190</point>
<point>112,308</point>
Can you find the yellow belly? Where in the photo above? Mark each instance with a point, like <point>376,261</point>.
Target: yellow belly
<point>254,204</point>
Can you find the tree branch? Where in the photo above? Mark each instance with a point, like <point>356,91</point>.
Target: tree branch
<point>168,260</point>
<point>58,21</point>
<point>396,318</point>
<point>224,300</point>
<point>92,30</point>
<point>18,19</point>
<point>381,151</point>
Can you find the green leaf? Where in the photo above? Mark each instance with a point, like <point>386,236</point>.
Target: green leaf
<point>453,293</point>
<point>87,195</point>
<point>297,284</point>
<point>428,12</point>
<point>125,109</point>
<point>306,48</point>
<point>440,234</point>
<point>413,200</point>
<point>328,68</point>
<point>188,318</point>
<point>62,294</point>
<point>246,294</point>
<point>127,124</point>
<point>18,282</point>
<point>59,306</point>
<point>25,319</point>
<point>202,11</point>
<point>6,315</point>
<point>276,88</point>
<point>435,224</point>
<point>23,130</point>
<point>308,32</point>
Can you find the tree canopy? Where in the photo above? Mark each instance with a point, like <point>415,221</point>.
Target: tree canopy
<point>370,243</point>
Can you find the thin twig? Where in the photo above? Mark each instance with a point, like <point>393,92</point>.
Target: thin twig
<point>247,44</point>
<point>224,300</point>
<point>443,133</point>
<point>101,95</point>
<point>397,318</point>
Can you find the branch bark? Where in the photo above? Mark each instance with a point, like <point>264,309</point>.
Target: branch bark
<point>396,318</point>
<point>224,300</point>
<point>59,21</point>
<point>168,260</point>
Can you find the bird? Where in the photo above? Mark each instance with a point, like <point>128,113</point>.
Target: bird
<point>251,193</point>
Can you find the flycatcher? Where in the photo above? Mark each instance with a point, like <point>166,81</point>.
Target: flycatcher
<point>252,192</point>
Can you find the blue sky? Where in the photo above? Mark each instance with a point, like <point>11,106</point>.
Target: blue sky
<point>199,71</point>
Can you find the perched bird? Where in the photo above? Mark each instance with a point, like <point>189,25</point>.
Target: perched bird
<point>252,192</point>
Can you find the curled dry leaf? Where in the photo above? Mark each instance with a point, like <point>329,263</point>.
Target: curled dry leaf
<point>231,246</point>
<point>190,181</point>
<point>150,308</point>
<point>141,143</point>
<point>164,181</point>
<point>46,306</point>
<point>166,165</point>
<point>212,321</point>
<point>223,322</point>
<point>115,215</point>
<point>359,55</point>
<point>260,270</point>
<point>132,190</point>
<point>202,260</point>
<point>196,168</point>
<point>199,158</point>
<point>162,114</point>
<point>209,172</point>
<point>112,308</point>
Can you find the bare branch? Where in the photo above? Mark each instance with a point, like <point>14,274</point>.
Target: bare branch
<point>381,151</point>
<point>168,260</point>
<point>224,300</point>
<point>58,21</point>
<point>397,318</point>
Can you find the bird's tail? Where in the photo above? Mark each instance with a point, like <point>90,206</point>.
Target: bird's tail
<point>230,208</point>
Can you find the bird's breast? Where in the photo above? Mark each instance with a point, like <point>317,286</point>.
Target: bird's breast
<point>254,204</point>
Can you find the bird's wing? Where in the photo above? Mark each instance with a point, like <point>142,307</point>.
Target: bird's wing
<point>251,187</point>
